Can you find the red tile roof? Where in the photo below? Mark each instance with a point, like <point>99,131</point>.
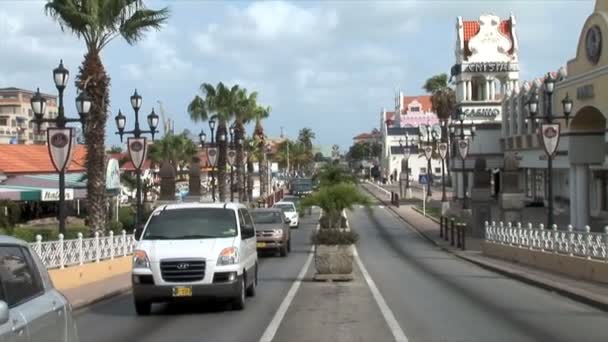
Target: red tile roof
<point>35,159</point>
<point>425,102</point>
<point>471,28</point>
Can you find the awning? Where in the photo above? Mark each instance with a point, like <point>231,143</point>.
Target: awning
<point>19,193</point>
<point>42,187</point>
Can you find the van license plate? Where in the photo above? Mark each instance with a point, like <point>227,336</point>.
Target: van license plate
<point>182,291</point>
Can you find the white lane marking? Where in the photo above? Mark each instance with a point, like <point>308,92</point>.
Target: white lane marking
<point>390,319</point>
<point>272,328</point>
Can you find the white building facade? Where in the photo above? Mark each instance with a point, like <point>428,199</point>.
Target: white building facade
<point>486,68</point>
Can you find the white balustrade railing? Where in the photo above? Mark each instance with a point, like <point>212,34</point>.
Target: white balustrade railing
<point>62,252</point>
<point>567,242</point>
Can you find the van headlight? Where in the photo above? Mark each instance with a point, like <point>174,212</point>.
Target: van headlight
<point>278,232</point>
<point>228,256</point>
<point>140,259</point>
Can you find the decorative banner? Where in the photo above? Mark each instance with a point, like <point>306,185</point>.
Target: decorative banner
<point>428,152</point>
<point>463,148</point>
<point>245,156</point>
<point>231,157</point>
<point>550,134</point>
<point>138,150</point>
<point>60,142</point>
<point>212,155</point>
<point>406,153</point>
<point>443,150</point>
<point>112,175</point>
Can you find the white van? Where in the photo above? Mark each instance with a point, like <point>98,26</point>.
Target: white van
<point>194,250</point>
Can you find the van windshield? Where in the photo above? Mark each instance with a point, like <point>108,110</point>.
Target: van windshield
<point>191,223</point>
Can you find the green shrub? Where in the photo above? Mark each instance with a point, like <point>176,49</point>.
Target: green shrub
<point>334,237</point>
<point>13,211</point>
<point>126,217</point>
<point>115,226</point>
<point>333,199</point>
<point>49,233</point>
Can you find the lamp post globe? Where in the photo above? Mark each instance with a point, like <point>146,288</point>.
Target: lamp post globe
<point>567,106</point>
<point>549,83</point>
<point>83,105</point>
<point>38,104</point>
<point>136,101</point>
<point>153,121</point>
<point>202,136</point>
<point>121,122</point>
<point>61,76</point>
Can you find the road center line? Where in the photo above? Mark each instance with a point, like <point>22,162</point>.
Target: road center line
<point>272,328</point>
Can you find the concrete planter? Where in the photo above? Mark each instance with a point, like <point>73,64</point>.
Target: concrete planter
<point>334,259</point>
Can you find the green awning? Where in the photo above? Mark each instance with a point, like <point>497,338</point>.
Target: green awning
<point>19,193</point>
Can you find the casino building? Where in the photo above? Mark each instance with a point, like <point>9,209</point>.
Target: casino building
<point>486,68</point>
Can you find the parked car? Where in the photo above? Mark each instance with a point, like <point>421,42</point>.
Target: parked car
<point>31,309</point>
<point>290,211</point>
<point>195,250</point>
<point>272,230</point>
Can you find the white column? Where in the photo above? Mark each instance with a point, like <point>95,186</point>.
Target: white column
<point>487,92</point>
<point>492,90</point>
<point>463,90</point>
<point>459,184</point>
<point>597,196</point>
<point>582,196</point>
<point>469,90</point>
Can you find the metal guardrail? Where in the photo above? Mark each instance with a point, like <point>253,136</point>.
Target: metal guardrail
<point>62,252</point>
<point>566,242</point>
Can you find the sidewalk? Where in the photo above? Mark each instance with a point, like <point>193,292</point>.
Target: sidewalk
<point>595,294</point>
<point>88,294</point>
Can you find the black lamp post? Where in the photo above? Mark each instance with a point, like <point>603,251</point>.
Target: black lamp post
<point>137,146</point>
<point>231,147</point>
<point>431,141</point>
<point>59,139</point>
<point>549,132</point>
<point>203,136</point>
<point>405,149</point>
<point>463,147</point>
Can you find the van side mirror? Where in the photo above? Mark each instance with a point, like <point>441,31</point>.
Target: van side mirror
<point>3,312</point>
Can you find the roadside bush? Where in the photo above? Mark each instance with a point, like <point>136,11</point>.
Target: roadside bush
<point>14,213</point>
<point>334,237</point>
<point>126,217</point>
<point>334,199</point>
<point>116,227</point>
<point>49,233</point>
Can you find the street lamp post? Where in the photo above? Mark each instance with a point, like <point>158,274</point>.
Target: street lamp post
<point>59,138</point>
<point>232,145</point>
<point>405,148</point>
<point>212,162</point>
<point>431,142</point>
<point>550,133</point>
<point>463,149</point>
<point>137,145</point>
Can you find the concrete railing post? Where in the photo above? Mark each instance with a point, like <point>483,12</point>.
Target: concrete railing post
<point>39,245</point>
<point>587,240</point>
<point>61,252</point>
<point>80,254</point>
<point>452,233</point>
<point>124,242</point>
<point>554,238</point>
<point>97,251</point>
<point>111,244</point>
<point>570,242</point>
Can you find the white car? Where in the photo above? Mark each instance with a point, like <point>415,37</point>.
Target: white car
<point>31,309</point>
<point>195,250</point>
<point>290,211</point>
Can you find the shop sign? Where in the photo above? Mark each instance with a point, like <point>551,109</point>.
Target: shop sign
<point>482,112</point>
<point>112,175</point>
<point>52,195</point>
<point>490,67</point>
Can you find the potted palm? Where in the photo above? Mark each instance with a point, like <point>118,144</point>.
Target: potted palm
<point>334,240</point>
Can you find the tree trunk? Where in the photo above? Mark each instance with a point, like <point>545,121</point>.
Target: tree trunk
<point>221,162</point>
<point>92,75</point>
<point>249,179</point>
<point>263,175</point>
<point>240,188</point>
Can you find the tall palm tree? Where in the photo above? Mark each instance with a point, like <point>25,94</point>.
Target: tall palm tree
<point>443,99</point>
<point>98,22</point>
<point>260,113</point>
<point>306,136</point>
<point>245,105</point>
<point>253,155</point>
<point>219,102</point>
<point>178,150</point>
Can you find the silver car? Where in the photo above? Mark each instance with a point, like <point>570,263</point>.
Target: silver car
<point>30,308</point>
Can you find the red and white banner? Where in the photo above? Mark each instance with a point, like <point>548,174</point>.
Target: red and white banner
<point>463,148</point>
<point>138,149</point>
<point>245,156</point>
<point>212,155</point>
<point>60,142</point>
<point>443,150</point>
<point>428,152</point>
<point>231,157</point>
<point>550,134</point>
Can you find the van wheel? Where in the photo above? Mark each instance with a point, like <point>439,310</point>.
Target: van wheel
<point>143,308</point>
<point>238,303</point>
<point>251,288</point>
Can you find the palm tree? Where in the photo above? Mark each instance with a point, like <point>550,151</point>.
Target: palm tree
<point>178,150</point>
<point>443,99</point>
<point>306,136</point>
<point>245,105</point>
<point>253,155</point>
<point>98,22</point>
<point>260,113</point>
<point>220,103</point>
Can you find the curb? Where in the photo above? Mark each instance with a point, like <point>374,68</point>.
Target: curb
<point>546,285</point>
<point>83,304</point>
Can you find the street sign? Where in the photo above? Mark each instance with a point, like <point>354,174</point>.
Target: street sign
<point>423,179</point>
<point>463,148</point>
<point>443,150</point>
<point>550,137</point>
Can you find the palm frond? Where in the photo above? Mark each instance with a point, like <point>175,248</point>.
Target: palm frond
<point>133,28</point>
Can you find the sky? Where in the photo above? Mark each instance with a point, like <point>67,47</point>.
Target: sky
<point>327,65</point>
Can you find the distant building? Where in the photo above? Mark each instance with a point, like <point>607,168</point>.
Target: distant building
<point>16,116</point>
<point>374,137</point>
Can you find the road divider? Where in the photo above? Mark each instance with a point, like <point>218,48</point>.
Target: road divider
<point>80,275</point>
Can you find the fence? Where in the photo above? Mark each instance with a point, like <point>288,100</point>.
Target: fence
<point>61,253</point>
<point>567,242</point>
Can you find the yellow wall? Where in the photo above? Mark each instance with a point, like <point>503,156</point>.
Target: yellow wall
<point>75,276</point>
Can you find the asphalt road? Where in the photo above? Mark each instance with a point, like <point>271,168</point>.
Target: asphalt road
<point>115,320</point>
<point>437,297</point>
